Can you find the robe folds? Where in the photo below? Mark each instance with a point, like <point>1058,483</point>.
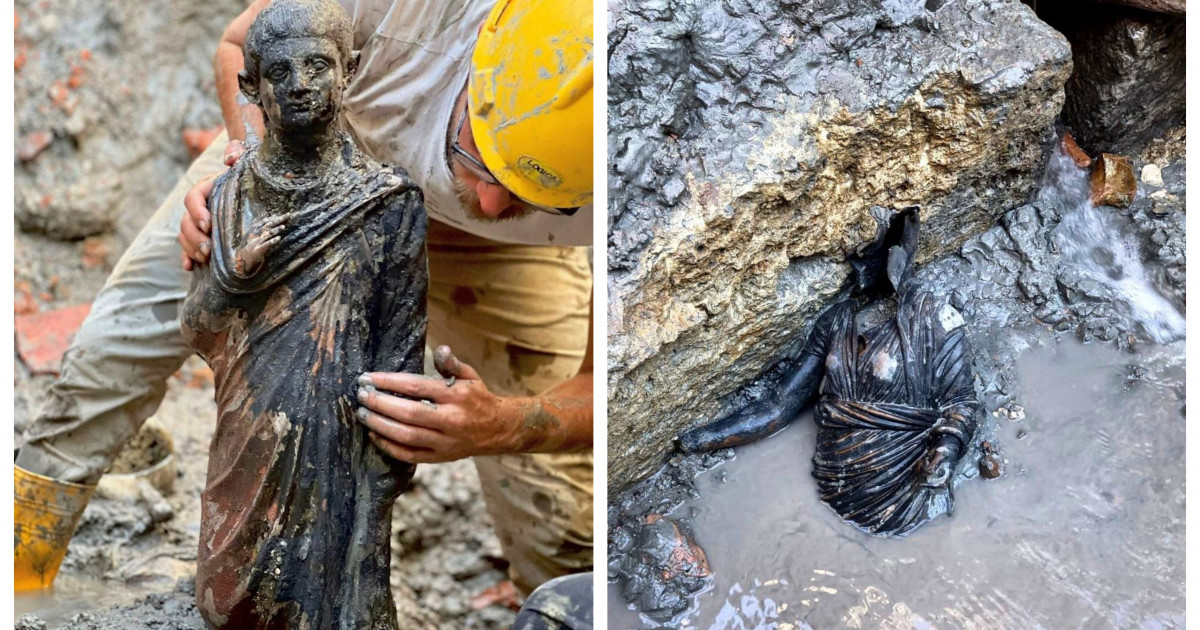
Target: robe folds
<point>296,513</point>
<point>888,392</point>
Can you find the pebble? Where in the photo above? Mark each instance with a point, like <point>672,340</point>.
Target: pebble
<point>1152,175</point>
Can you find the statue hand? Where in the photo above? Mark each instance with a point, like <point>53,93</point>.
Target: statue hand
<point>264,234</point>
<point>937,466</point>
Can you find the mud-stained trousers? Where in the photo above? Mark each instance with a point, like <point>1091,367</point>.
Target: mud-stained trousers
<point>517,314</point>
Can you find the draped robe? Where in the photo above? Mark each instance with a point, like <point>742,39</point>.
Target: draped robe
<point>887,393</point>
<point>296,513</point>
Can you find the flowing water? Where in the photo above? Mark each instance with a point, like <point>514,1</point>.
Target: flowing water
<point>1093,245</point>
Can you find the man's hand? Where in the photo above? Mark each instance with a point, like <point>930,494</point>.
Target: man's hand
<point>196,224</point>
<point>197,221</point>
<point>436,419</point>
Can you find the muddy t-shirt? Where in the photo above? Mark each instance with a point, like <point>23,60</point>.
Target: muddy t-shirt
<point>416,57</point>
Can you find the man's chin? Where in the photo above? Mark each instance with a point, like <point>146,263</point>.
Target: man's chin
<point>475,213</point>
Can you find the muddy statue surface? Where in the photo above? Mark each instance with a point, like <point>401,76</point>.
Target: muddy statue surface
<point>896,402</point>
<point>317,275</point>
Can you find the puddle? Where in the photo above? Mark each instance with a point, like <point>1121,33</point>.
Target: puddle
<point>73,594</point>
<point>1085,529</point>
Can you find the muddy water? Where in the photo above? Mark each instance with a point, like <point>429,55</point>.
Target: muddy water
<point>1085,529</point>
<point>73,594</point>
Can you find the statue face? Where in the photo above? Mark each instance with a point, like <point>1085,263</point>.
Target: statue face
<point>300,84</point>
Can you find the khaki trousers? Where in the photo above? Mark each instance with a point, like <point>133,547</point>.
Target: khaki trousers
<point>517,314</point>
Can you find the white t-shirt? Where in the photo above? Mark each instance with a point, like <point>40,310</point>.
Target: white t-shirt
<point>415,59</point>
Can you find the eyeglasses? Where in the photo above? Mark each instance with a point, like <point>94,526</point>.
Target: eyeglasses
<point>480,170</point>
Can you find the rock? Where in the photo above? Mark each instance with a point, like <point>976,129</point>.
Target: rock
<point>23,302</point>
<point>1171,7</point>
<point>991,465</point>
<point>1072,150</point>
<point>116,152</point>
<point>33,143</point>
<point>663,569</point>
<point>1112,181</point>
<point>785,125</point>
<point>1129,81</point>
<point>1152,175</point>
<point>30,622</point>
<point>95,252</point>
<point>78,208</point>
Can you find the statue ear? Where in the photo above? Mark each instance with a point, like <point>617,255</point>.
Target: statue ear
<point>249,88</point>
<point>352,66</point>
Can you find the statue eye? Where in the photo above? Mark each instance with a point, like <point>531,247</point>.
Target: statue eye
<point>277,74</point>
<point>320,64</point>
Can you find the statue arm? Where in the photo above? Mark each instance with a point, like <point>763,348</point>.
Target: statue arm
<point>956,389</point>
<point>957,405</point>
<point>403,285</point>
<point>768,416</point>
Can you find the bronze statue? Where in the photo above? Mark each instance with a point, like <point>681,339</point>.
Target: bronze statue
<point>896,406</point>
<point>317,275</point>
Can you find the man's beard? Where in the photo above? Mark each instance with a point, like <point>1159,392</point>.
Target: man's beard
<point>470,200</point>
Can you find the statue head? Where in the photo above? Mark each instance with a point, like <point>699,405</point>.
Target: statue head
<point>298,64</point>
<point>882,265</point>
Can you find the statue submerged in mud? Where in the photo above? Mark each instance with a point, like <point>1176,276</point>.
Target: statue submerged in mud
<point>896,405</point>
<point>318,274</point>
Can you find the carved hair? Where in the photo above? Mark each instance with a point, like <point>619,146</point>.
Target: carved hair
<point>284,19</point>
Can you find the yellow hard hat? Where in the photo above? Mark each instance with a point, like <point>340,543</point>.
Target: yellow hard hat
<point>530,99</point>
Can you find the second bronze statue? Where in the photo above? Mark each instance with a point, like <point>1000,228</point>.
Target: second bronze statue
<point>896,402</point>
<point>318,274</point>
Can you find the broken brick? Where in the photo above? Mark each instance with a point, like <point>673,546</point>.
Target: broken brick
<point>33,143</point>
<point>1073,151</point>
<point>504,594</point>
<point>76,78</point>
<point>197,140</point>
<point>43,338</point>
<point>23,302</point>
<point>95,252</point>
<point>1112,181</point>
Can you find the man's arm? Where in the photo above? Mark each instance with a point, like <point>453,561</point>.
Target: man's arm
<point>444,419</point>
<point>227,63</point>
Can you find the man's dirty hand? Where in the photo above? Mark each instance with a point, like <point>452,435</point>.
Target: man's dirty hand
<point>196,224</point>
<point>429,419</point>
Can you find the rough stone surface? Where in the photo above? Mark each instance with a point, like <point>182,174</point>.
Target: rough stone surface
<point>1129,81</point>
<point>102,96</point>
<point>748,140</point>
<point>1171,7</point>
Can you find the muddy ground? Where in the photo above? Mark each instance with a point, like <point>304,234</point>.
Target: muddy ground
<point>112,99</point>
